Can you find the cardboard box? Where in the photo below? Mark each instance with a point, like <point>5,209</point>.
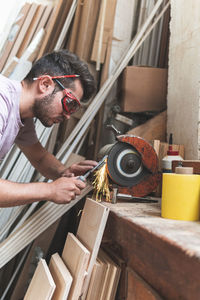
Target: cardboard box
<point>144,89</point>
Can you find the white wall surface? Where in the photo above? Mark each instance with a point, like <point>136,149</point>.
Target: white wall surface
<point>184,76</point>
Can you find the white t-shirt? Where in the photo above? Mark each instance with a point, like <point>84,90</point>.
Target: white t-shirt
<point>12,130</point>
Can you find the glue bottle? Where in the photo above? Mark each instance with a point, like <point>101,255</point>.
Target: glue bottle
<point>171,155</point>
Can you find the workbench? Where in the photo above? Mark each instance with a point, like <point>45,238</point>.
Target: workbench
<point>162,256</point>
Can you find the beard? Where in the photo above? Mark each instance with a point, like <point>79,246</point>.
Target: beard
<point>43,109</point>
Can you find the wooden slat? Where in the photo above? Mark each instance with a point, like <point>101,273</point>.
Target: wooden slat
<point>61,277</point>
<point>43,241</point>
<point>34,226</point>
<point>31,30</point>
<point>111,277</point>
<point>75,27</point>
<point>44,18</point>
<point>23,30</point>
<point>42,285</point>
<point>105,24</point>
<point>93,222</point>
<point>153,129</point>
<point>60,22</point>
<point>76,256</point>
<point>87,15</point>
<point>95,285</point>
<point>60,40</point>
<point>51,24</point>
<point>13,34</point>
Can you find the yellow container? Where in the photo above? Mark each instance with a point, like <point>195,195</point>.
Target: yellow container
<point>180,197</point>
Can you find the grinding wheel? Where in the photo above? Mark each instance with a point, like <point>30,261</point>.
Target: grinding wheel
<point>124,165</point>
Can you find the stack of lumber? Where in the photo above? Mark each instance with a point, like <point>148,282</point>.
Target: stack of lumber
<point>68,276</point>
<point>104,279</point>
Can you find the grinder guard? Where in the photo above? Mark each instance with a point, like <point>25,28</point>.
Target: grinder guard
<point>132,164</point>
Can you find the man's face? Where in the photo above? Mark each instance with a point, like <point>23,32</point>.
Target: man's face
<point>49,110</point>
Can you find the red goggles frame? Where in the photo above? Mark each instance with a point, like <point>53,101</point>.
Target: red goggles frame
<point>69,102</point>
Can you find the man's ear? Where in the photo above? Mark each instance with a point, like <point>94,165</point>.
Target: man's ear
<point>46,84</point>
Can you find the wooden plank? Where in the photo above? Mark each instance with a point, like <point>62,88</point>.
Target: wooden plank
<point>93,221</point>
<point>76,256</point>
<point>153,129</point>
<point>31,30</point>
<point>7,71</point>
<point>66,8</point>
<point>23,30</point>
<point>36,224</point>
<point>63,33</point>
<point>13,34</point>
<point>51,24</point>
<point>43,241</point>
<point>42,276</point>
<point>44,18</point>
<point>61,277</point>
<point>114,251</point>
<point>96,281</point>
<point>107,27</point>
<point>111,277</point>
<point>86,31</point>
<point>75,27</point>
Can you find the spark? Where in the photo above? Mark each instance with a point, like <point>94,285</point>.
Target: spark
<point>101,184</point>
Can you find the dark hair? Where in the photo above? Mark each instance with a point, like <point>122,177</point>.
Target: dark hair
<point>63,62</point>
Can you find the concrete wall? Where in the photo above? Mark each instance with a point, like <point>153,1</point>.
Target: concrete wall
<point>184,76</point>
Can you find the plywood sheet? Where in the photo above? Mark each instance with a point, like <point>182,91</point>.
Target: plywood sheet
<point>61,277</point>
<point>96,281</point>
<point>111,277</point>
<point>76,258</point>
<point>43,241</point>
<point>24,28</point>
<point>13,34</point>
<point>31,30</point>
<point>107,30</point>
<point>93,221</point>
<point>42,285</point>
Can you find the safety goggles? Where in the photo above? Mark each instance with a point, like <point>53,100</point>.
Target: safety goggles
<point>69,102</point>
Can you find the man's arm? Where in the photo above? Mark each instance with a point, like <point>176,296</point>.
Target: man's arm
<point>43,161</point>
<point>48,165</point>
<point>60,191</point>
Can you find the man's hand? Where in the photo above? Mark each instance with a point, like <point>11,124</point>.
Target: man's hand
<point>79,169</point>
<point>63,189</point>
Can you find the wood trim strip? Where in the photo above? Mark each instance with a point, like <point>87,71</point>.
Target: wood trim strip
<point>34,226</point>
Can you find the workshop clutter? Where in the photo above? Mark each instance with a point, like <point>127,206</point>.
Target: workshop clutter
<point>83,269</point>
<point>99,33</point>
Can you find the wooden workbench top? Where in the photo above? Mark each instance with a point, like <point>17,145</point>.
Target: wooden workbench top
<point>164,252</point>
<point>148,215</point>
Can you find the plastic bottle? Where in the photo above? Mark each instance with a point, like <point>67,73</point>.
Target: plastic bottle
<point>171,155</point>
